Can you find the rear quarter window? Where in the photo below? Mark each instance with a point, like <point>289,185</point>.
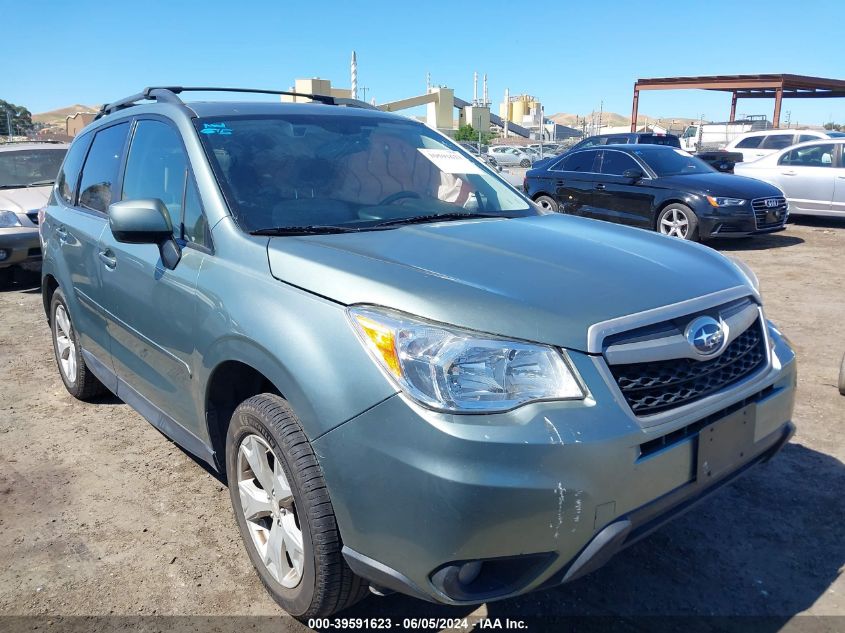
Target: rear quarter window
<point>749,143</point>
<point>69,173</point>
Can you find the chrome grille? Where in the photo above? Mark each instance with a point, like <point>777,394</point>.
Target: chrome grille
<point>653,387</point>
<point>766,216</point>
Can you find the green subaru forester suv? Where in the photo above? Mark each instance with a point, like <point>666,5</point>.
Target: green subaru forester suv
<point>411,377</point>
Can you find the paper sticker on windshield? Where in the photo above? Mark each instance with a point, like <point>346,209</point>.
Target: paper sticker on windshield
<point>216,128</point>
<point>450,162</point>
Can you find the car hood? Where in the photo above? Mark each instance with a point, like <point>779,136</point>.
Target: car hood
<point>544,278</point>
<point>23,200</point>
<point>718,184</point>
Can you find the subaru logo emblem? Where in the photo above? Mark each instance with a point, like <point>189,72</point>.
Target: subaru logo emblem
<point>772,202</point>
<point>706,335</point>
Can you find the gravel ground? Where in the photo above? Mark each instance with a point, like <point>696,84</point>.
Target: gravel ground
<point>100,514</point>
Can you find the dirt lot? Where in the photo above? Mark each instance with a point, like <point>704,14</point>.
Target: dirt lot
<point>100,514</point>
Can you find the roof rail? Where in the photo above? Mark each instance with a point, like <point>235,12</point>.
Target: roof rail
<point>170,94</point>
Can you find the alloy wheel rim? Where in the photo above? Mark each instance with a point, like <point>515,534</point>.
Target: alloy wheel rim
<point>269,511</point>
<point>545,204</point>
<point>65,345</point>
<point>675,223</point>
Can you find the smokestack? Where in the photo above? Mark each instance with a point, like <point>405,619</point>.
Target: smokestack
<point>486,101</point>
<point>475,88</point>
<point>354,71</point>
<point>507,111</point>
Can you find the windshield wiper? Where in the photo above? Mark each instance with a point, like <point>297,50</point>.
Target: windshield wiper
<point>312,229</point>
<point>439,217</point>
<point>41,183</point>
<point>20,186</point>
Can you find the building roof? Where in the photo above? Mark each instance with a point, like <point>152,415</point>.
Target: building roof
<point>760,86</point>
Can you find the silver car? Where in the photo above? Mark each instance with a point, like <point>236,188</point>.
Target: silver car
<point>811,176</point>
<point>27,172</point>
<point>506,155</point>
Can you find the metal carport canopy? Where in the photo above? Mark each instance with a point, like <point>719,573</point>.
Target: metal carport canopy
<point>775,87</point>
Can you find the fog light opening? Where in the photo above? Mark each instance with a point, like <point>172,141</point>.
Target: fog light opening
<point>4,254</point>
<point>469,572</point>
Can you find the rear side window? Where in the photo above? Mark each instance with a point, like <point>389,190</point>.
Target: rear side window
<point>579,162</point>
<point>617,140</point>
<point>750,142</point>
<point>99,176</point>
<point>812,156</point>
<point>777,141</point>
<point>658,139</point>
<point>807,137</point>
<point>69,174</point>
<point>617,163</point>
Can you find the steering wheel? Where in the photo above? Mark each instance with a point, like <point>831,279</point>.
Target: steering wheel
<point>399,195</point>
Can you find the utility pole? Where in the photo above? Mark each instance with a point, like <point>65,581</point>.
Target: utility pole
<point>9,124</point>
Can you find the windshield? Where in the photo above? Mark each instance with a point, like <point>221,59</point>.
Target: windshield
<point>674,162</point>
<point>351,171</point>
<point>22,168</point>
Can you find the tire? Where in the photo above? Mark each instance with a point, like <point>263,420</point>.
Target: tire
<point>677,220</point>
<point>265,429</point>
<point>79,382</point>
<point>842,377</point>
<point>525,163</point>
<point>548,203</point>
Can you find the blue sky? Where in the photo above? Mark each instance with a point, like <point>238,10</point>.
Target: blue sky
<point>572,55</point>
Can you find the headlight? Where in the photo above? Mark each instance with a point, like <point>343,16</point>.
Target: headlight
<point>449,369</point>
<point>8,219</point>
<point>725,202</point>
<point>746,270</point>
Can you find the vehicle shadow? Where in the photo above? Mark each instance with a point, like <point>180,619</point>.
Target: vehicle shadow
<point>767,546</point>
<point>817,221</point>
<point>757,242</point>
<point>23,281</point>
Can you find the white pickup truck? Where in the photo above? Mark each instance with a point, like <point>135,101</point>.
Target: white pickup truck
<point>715,136</point>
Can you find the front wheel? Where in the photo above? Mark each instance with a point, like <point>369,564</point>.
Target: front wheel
<point>547,203</point>
<point>525,163</point>
<point>678,220</point>
<point>284,513</point>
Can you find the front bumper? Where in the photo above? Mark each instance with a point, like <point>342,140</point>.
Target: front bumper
<point>21,246</point>
<point>730,222</point>
<point>540,495</point>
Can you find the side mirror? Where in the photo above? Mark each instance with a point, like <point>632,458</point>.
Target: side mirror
<point>145,221</point>
<point>633,174</point>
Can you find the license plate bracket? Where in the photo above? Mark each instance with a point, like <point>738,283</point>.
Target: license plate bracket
<point>725,443</point>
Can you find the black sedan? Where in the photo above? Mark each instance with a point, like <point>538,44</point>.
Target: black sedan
<point>659,188</point>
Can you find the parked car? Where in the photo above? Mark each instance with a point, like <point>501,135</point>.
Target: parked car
<point>712,136</point>
<point>412,377</point>
<point>755,145</point>
<point>635,138</point>
<point>810,174</point>
<point>27,173</point>
<point>659,188</point>
<point>506,155</point>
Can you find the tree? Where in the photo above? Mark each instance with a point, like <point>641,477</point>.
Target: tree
<point>833,126</point>
<point>468,133</point>
<point>19,117</point>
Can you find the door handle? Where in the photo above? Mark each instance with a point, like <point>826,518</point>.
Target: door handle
<point>108,258</point>
<point>599,186</point>
<point>788,173</point>
<point>62,233</point>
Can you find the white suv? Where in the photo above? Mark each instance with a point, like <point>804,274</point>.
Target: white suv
<point>754,145</point>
